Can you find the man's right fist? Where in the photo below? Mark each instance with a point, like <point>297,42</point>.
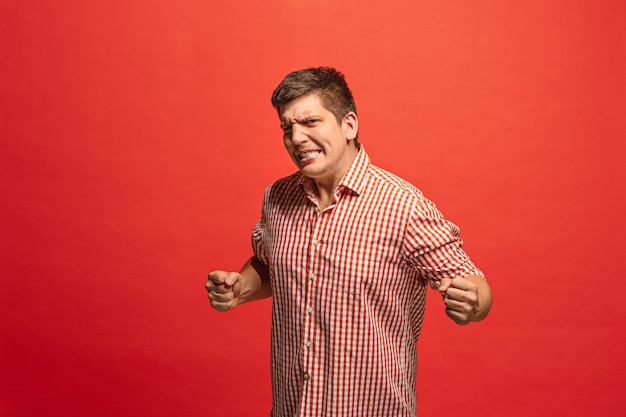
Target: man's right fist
<point>224,289</point>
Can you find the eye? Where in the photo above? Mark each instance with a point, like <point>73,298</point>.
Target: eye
<point>286,131</point>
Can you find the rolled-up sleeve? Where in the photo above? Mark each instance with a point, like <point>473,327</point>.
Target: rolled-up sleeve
<point>433,245</point>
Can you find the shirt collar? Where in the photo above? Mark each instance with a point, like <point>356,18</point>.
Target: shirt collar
<point>354,178</point>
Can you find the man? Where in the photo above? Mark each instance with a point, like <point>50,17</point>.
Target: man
<point>347,251</point>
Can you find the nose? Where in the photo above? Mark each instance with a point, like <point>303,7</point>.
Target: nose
<point>298,135</point>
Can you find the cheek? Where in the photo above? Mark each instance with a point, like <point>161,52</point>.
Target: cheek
<point>289,148</point>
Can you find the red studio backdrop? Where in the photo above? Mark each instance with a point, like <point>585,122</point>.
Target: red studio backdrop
<point>137,138</point>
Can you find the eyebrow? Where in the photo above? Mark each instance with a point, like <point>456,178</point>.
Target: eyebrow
<point>285,123</point>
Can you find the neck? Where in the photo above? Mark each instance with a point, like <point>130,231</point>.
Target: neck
<point>326,186</point>
<point>325,193</point>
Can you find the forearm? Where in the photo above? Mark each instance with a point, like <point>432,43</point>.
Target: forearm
<point>484,296</point>
<point>255,281</point>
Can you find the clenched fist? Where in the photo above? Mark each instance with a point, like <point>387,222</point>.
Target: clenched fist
<point>224,289</point>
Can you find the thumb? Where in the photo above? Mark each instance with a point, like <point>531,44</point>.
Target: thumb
<point>233,281</point>
<point>445,284</point>
<point>232,278</point>
<point>218,277</point>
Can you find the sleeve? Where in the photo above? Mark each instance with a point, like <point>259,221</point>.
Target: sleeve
<point>259,234</point>
<point>433,245</point>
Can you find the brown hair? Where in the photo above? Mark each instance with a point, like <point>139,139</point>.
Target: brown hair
<point>328,83</point>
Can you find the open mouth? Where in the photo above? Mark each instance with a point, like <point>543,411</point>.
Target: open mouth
<point>308,155</point>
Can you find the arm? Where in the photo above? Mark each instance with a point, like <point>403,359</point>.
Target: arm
<point>228,289</point>
<point>466,299</point>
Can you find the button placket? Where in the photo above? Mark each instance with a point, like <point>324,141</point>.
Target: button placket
<point>311,282</point>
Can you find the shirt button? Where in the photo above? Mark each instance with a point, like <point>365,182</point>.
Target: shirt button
<point>309,310</point>
<point>307,377</point>
<point>308,343</point>
<point>311,275</point>
<point>316,242</point>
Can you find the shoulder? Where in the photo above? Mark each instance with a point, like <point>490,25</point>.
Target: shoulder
<point>403,192</point>
<point>393,183</point>
<point>289,181</point>
<point>283,187</point>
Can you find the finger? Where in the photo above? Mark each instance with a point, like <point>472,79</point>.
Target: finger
<point>220,306</point>
<point>459,318</point>
<point>220,289</point>
<point>454,296</point>
<point>458,306</point>
<point>462,283</point>
<point>219,281</point>
<point>466,295</point>
<point>222,301</point>
<point>212,286</point>
<point>221,297</point>
<point>227,283</point>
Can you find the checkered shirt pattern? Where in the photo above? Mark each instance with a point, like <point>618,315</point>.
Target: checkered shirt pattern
<point>349,289</point>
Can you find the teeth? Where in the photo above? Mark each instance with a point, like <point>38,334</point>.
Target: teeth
<point>308,154</point>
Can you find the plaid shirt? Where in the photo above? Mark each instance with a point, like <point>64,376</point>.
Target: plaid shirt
<point>349,290</point>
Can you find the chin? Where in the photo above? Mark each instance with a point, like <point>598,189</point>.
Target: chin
<point>306,170</point>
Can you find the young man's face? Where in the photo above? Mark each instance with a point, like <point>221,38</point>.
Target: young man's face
<point>319,146</point>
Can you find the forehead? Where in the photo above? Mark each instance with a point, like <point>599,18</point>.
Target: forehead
<point>304,106</point>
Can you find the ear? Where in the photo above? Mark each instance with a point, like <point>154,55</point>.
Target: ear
<point>350,125</point>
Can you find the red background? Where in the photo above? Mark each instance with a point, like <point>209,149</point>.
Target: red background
<point>137,139</point>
